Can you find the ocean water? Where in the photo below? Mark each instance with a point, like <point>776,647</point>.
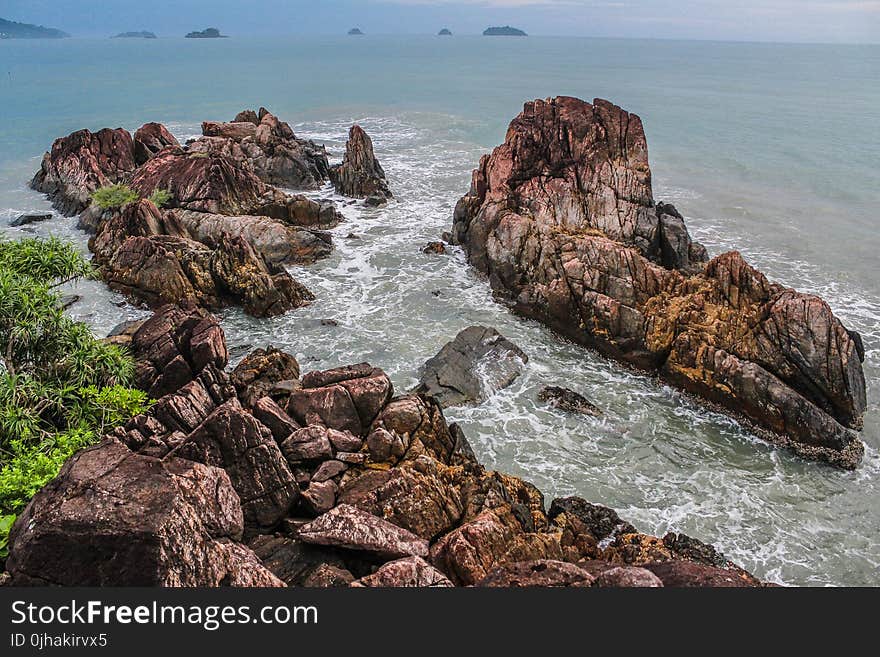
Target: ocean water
<point>768,149</point>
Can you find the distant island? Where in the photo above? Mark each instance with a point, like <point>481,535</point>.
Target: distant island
<point>135,35</point>
<point>13,30</point>
<point>355,31</point>
<point>209,33</point>
<point>444,32</point>
<point>503,31</point>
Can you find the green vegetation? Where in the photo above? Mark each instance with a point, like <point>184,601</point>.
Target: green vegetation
<point>61,388</point>
<point>160,197</point>
<point>114,196</point>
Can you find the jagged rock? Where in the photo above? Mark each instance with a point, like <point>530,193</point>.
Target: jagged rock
<point>568,400</point>
<point>261,370</point>
<point>680,573</point>
<point>562,219</point>
<point>360,175</point>
<point>290,560</point>
<point>628,577</point>
<point>174,345</point>
<point>421,418</point>
<point>436,248</point>
<point>272,416</point>
<point>269,148</point>
<point>408,572</point>
<point>328,470</point>
<point>114,518</point>
<point>150,139</point>
<point>82,162</point>
<point>585,525</point>
<point>352,529</point>
<point>233,439</point>
<point>326,576</point>
<point>424,503</point>
<point>346,399</point>
<point>320,496</point>
<point>542,572</point>
<point>471,367</point>
<point>310,443</point>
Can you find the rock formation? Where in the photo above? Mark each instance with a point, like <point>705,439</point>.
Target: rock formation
<point>562,218</point>
<point>223,234</point>
<point>360,175</point>
<point>471,367</point>
<point>327,479</point>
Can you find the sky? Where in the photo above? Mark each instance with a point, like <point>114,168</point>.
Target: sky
<point>834,21</point>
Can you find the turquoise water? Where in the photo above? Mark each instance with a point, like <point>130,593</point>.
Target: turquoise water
<point>770,149</point>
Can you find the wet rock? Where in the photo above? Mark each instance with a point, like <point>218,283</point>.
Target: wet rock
<point>81,163</point>
<point>408,572</point>
<point>568,400</point>
<point>436,248</point>
<point>352,529</point>
<point>360,175</point>
<point>68,300</point>
<point>114,518</point>
<point>628,577</point>
<point>258,373</point>
<point>542,572</point>
<point>469,368</point>
<point>31,218</point>
<point>150,139</point>
<point>562,219</point>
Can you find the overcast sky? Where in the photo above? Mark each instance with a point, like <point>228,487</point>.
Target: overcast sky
<point>761,20</point>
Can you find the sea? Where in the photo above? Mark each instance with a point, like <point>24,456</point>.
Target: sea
<point>768,149</point>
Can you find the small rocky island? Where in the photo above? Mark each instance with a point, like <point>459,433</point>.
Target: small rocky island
<point>13,30</point>
<point>503,31</point>
<point>355,31</point>
<point>445,32</point>
<point>134,35</point>
<point>208,33</point>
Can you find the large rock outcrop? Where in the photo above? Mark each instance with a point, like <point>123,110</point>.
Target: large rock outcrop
<point>360,175</point>
<point>82,162</point>
<point>358,488</point>
<point>268,147</point>
<point>562,218</point>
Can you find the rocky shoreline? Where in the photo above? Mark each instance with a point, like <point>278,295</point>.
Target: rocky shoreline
<point>264,477</point>
<point>562,219</point>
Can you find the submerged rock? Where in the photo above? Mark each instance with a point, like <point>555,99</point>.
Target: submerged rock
<point>360,175</point>
<point>471,367</point>
<point>31,218</point>
<point>568,400</point>
<point>562,219</point>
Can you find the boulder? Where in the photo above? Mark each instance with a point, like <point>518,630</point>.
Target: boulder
<point>30,218</point>
<point>539,573</point>
<point>150,139</point>
<point>405,573</point>
<point>114,518</point>
<point>352,529</point>
<point>688,574</point>
<point>258,373</point>
<point>81,163</point>
<point>435,248</point>
<point>478,362</point>
<point>561,217</point>
<point>568,400</point>
<point>293,561</point>
<point>627,577</point>
<point>360,175</point>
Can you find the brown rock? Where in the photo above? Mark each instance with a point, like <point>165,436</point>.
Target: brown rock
<point>258,372</point>
<point>150,139</point>
<point>542,572</point>
<point>319,497</point>
<point>310,443</point>
<point>270,414</point>
<point>82,162</point>
<point>627,577</point>
<point>360,175</point>
<point>327,576</point>
<point>408,572</point>
<point>114,518</point>
<point>679,573</point>
<point>352,529</point>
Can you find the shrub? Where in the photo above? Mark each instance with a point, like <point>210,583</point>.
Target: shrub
<point>114,196</point>
<point>61,388</point>
<point>160,197</point>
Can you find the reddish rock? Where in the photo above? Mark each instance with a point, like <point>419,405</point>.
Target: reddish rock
<point>539,573</point>
<point>627,577</point>
<point>328,470</point>
<point>319,497</point>
<point>327,576</point>
<point>150,139</point>
<point>562,219</point>
<point>258,373</point>
<point>82,162</point>
<point>272,416</point>
<point>360,175</point>
<point>680,573</point>
<point>114,518</point>
<point>310,443</point>
<point>290,560</point>
<point>352,529</point>
<point>405,573</point>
